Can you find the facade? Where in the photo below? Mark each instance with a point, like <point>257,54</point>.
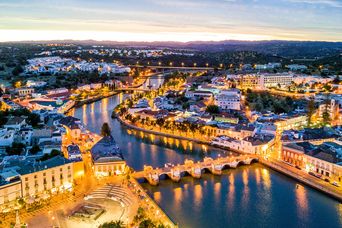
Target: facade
<point>250,81</point>
<point>294,153</point>
<point>15,122</point>
<point>332,108</point>
<point>274,80</point>
<point>229,99</point>
<point>263,81</point>
<point>53,175</point>
<point>260,144</point>
<point>72,126</point>
<point>107,158</point>
<point>326,160</point>
<point>292,122</point>
<point>10,187</point>
<point>25,91</point>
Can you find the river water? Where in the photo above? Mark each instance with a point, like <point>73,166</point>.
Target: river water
<point>249,196</point>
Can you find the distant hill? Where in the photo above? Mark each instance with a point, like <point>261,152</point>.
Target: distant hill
<point>288,49</point>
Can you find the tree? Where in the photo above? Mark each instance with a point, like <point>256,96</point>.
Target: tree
<point>35,149</point>
<point>326,114</point>
<point>113,224</point>
<point>311,109</point>
<point>52,154</point>
<point>147,223</point>
<point>33,119</point>
<point>15,149</point>
<point>17,70</point>
<point>213,109</point>
<point>160,122</point>
<point>105,130</point>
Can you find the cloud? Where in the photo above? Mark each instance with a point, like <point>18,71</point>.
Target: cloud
<point>332,3</point>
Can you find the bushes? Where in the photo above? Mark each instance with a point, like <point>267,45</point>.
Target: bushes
<point>266,102</point>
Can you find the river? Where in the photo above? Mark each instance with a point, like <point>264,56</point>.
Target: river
<point>249,196</point>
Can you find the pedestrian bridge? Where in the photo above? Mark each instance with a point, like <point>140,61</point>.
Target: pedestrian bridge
<point>195,169</point>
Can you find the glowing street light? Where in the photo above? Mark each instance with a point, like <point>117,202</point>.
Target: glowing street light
<point>182,64</point>
<point>221,65</point>
<point>207,64</point>
<point>195,64</point>
<point>159,63</point>
<point>171,63</point>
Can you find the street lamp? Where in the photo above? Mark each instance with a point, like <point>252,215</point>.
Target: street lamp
<point>182,64</point>
<point>195,64</point>
<point>171,63</point>
<point>207,64</point>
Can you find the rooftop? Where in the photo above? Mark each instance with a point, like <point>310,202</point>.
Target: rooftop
<point>106,150</point>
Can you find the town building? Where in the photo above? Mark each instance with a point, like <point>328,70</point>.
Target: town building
<point>107,159</point>
<point>326,160</point>
<point>10,187</point>
<point>24,91</point>
<point>228,99</point>
<point>263,81</point>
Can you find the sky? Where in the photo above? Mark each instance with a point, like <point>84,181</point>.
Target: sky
<point>171,20</point>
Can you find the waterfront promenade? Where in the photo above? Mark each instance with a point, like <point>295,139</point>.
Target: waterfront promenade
<point>303,177</point>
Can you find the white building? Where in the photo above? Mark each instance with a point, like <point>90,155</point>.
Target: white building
<point>229,99</point>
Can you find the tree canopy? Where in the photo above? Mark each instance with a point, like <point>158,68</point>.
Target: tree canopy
<point>105,130</point>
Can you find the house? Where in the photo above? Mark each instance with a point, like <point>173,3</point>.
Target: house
<point>15,122</point>
<point>293,153</point>
<point>6,137</point>
<point>332,108</point>
<point>152,115</point>
<point>72,126</point>
<point>229,99</point>
<point>73,152</point>
<point>48,146</point>
<point>39,177</point>
<point>10,187</point>
<point>257,144</point>
<point>198,107</point>
<point>41,135</point>
<point>107,158</point>
<point>325,160</point>
<point>24,91</point>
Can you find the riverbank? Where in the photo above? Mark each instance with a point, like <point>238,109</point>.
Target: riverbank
<point>302,177</point>
<point>131,126</point>
<point>153,206</point>
<point>91,100</point>
<point>305,178</point>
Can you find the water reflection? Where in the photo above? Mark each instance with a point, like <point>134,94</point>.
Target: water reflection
<point>198,195</point>
<point>266,180</point>
<point>302,201</point>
